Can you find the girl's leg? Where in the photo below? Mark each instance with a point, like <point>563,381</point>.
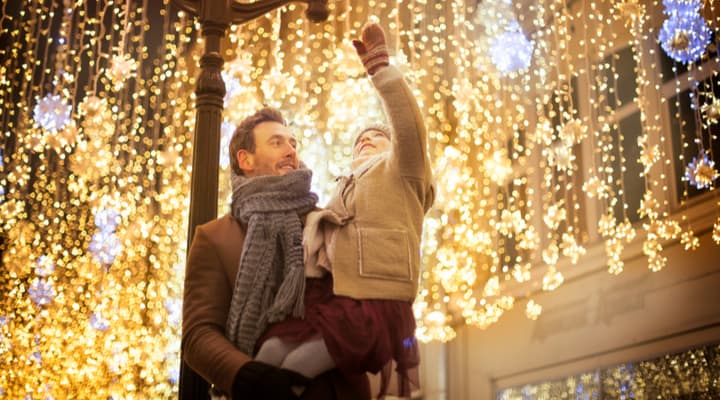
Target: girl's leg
<point>310,358</point>
<point>274,351</point>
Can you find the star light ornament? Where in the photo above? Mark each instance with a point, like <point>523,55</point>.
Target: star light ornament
<point>511,51</point>
<point>685,34</point>
<point>122,67</point>
<point>701,171</point>
<point>52,113</point>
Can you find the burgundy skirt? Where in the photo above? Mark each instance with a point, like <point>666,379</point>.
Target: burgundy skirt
<point>361,335</point>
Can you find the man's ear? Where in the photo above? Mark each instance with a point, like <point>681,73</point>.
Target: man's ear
<point>245,160</point>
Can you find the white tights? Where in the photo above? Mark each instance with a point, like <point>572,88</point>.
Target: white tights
<point>309,359</point>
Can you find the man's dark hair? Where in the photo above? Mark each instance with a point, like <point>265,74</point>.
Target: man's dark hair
<point>243,137</point>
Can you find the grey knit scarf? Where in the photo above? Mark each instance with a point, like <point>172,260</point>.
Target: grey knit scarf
<point>270,283</point>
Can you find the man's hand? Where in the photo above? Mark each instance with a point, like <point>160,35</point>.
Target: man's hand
<point>257,380</point>
<point>372,47</point>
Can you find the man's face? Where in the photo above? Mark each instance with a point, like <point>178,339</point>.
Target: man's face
<point>274,151</point>
<point>370,143</point>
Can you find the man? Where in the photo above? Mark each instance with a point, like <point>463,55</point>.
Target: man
<point>263,155</point>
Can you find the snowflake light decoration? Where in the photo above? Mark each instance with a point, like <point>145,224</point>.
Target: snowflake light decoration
<point>711,111</point>
<point>173,374</point>
<point>679,7</point>
<point>689,240</point>
<point>631,10</point>
<point>122,67</point>
<point>649,155</point>
<point>543,132</point>
<point>512,51</point>
<point>42,292</point>
<point>52,113</point>
<point>107,219</point>
<point>556,213</point>
<point>596,187</point>
<point>701,171</point>
<point>276,85</point>
<point>533,310</point>
<point>561,157</point>
<point>499,166</point>
<point>551,254</point>
<point>98,322</point>
<point>684,37</point>
<point>521,273</point>
<point>44,266</point>
<point>64,139</point>
<point>573,132</point>
<point>226,131</point>
<point>552,279</point>
<point>232,87</point>
<point>492,287</point>
<point>241,66</point>
<point>2,188</point>
<point>174,309</point>
<point>529,239</point>
<point>105,246</point>
<point>571,248</point>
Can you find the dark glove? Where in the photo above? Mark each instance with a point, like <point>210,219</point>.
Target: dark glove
<point>372,47</point>
<point>257,380</point>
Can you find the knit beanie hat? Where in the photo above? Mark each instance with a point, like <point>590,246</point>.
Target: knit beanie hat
<point>384,129</point>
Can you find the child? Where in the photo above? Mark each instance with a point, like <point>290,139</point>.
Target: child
<point>358,317</point>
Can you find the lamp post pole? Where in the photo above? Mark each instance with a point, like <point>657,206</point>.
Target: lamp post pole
<point>215,17</point>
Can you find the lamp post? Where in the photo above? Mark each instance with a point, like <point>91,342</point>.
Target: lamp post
<point>215,17</point>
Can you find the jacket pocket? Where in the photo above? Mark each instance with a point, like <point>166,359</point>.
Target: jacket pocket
<point>384,254</point>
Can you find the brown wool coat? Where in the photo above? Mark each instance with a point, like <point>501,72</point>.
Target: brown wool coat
<point>377,254</point>
<point>209,279</point>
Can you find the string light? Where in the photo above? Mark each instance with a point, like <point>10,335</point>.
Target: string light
<point>97,139</point>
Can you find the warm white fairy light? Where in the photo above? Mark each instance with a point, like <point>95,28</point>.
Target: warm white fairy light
<point>490,223</point>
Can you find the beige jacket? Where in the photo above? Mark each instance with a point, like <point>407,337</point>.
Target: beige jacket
<point>376,254</point>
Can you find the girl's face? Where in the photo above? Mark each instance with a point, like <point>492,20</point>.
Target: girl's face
<point>370,143</point>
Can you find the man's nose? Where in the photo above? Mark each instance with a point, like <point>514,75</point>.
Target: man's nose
<point>290,151</point>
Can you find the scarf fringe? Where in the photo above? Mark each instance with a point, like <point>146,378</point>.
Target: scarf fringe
<point>289,299</point>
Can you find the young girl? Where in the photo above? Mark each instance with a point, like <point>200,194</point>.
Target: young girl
<point>358,317</point>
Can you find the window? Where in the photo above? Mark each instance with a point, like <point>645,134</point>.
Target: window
<point>618,70</point>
